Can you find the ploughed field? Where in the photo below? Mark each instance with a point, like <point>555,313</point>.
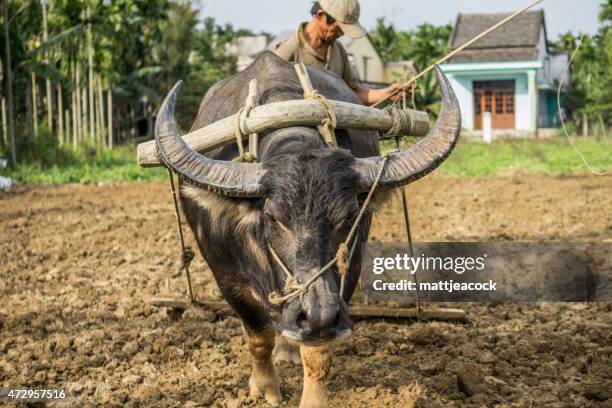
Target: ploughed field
<point>80,262</point>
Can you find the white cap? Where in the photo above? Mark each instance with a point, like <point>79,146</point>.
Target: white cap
<point>346,13</point>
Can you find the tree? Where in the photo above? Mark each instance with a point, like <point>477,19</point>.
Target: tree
<point>589,92</point>
<point>425,45</point>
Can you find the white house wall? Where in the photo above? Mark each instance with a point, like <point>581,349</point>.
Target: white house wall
<point>523,110</point>
<point>463,87</point>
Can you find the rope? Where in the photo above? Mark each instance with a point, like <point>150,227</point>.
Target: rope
<point>293,288</point>
<point>563,78</point>
<point>187,253</point>
<point>407,216</point>
<point>343,248</point>
<point>239,125</point>
<point>400,120</point>
<point>238,132</point>
<point>328,125</point>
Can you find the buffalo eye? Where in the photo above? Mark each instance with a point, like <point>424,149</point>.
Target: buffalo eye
<point>274,220</point>
<point>282,226</point>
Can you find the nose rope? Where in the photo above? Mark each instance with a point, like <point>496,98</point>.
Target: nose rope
<point>292,286</point>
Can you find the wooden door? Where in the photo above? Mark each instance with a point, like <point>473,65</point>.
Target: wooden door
<point>496,97</point>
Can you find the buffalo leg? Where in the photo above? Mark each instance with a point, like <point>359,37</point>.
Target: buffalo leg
<point>263,381</point>
<point>317,362</point>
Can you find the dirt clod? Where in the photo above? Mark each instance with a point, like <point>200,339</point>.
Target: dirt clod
<point>469,378</point>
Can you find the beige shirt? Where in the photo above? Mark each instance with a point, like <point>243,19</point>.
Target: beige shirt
<point>297,49</point>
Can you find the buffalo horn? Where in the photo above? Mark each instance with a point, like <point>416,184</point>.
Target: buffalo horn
<point>422,157</point>
<point>228,178</point>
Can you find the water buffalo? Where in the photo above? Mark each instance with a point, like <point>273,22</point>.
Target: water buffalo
<point>299,202</point>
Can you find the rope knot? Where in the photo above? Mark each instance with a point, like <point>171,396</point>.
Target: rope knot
<point>400,120</point>
<point>188,256</point>
<point>328,125</point>
<point>341,255</point>
<point>291,289</point>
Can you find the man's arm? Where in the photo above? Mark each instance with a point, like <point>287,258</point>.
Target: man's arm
<point>370,96</point>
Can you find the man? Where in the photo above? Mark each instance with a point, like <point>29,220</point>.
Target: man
<point>315,43</point>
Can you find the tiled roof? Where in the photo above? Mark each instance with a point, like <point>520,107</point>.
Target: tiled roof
<point>514,41</point>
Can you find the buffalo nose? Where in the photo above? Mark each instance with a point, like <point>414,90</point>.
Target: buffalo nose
<point>318,318</point>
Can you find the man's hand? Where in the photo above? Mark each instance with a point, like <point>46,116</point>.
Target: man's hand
<point>393,92</point>
<point>396,92</point>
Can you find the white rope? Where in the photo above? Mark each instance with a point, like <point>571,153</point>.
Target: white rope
<point>563,79</point>
<point>292,286</point>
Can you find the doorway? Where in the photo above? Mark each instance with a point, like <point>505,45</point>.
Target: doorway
<point>496,97</point>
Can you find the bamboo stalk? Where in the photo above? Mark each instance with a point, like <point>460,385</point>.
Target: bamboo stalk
<point>95,115</point>
<point>604,130</point>
<point>5,141</point>
<point>101,111</point>
<point>277,115</point>
<point>75,125</point>
<point>90,74</point>
<point>99,115</point>
<point>67,126</point>
<point>93,112</point>
<point>9,82</point>
<point>464,46</point>
<point>132,124</point>
<point>34,106</point>
<point>49,93</point>
<point>84,113</point>
<point>60,112</point>
<point>77,91</point>
<point>110,117</point>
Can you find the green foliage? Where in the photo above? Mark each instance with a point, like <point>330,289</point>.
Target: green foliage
<point>591,70</point>
<point>196,56</point>
<point>141,48</point>
<point>88,164</point>
<point>423,46</point>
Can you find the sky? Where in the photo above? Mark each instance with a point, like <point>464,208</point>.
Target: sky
<point>276,16</point>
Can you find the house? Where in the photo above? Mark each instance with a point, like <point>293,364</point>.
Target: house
<point>244,48</point>
<point>510,73</point>
<point>365,60</point>
<point>369,66</point>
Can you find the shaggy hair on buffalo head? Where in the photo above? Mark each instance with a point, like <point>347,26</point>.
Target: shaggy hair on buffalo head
<point>317,185</point>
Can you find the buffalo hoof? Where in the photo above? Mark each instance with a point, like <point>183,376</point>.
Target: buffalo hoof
<point>268,388</point>
<point>313,397</point>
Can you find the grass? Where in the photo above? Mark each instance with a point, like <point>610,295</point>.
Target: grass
<point>86,165</point>
<point>470,158</point>
<point>553,156</point>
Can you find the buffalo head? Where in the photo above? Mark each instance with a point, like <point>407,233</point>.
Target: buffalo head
<point>309,200</point>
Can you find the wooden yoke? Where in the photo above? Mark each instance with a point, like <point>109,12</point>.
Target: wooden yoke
<point>328,126</point>
<point>300,112</point>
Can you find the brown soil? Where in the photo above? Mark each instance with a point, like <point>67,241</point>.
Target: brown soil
<point>79,264</point>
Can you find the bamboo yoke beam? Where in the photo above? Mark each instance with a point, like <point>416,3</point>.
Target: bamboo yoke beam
<point>463,47</point>
<point>277,115</point>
